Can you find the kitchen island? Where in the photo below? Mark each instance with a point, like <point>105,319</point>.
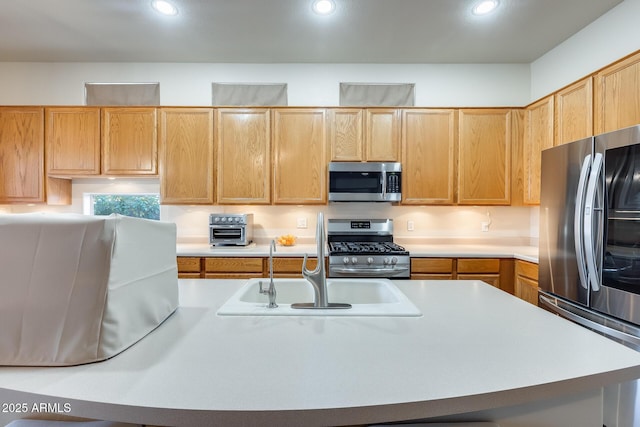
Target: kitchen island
<point>476,353</point>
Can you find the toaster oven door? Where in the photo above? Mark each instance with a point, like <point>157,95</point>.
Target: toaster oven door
<point>227,235</point>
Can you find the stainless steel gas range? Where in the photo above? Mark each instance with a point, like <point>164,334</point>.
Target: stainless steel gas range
<point>365,248</point>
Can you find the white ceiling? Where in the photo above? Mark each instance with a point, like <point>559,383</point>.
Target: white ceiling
<point>283,31</point>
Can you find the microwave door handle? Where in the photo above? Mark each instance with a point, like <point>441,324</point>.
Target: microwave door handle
<point>384,184</point>
<point>590,218</point>
<point>579,221</point>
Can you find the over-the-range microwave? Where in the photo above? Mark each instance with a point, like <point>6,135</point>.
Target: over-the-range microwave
<point>365,182</point>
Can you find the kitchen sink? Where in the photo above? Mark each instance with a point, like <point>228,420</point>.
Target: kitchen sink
<point>368,297</point>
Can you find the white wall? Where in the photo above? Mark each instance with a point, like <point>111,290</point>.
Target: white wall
<point>437,85</point>
<point>611,37</point>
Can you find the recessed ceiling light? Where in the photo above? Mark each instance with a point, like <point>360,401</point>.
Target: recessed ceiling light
<point>323,7</point>
<point>164,7</point>
<point>484,7</point>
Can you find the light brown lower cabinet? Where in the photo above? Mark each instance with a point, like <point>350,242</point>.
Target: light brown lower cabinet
<point>497,272</point>
<point>526,283</point>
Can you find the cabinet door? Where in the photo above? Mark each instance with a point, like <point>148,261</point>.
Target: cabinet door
<point>72,140</point>
<point>300,156</point>
<point>21,155</point>
<point>382,135</point>
<point>243,147</point>
<point>617,100</point>
<point>186,155</point>
<point>484,153</point>
<point>527,289</point>
<point>129,141</point>
<point>574,112</point>
<point>538,136</point>
<point>429,140</point>
<point>345,134</point>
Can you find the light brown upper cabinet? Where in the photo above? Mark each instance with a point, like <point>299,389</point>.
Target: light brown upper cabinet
<point>243,156</point>
<point>574,112</point>
<point>484,153</point>
<point>538,136</point>
<point>72,140</point>
<point>186,155</point>
<point>129,141</point>
<point>300,153</point>
<point>346,134</point>
<point>22,155</point>
<point>382,135</point>
<point>429,139</point>
<point>617,95</point>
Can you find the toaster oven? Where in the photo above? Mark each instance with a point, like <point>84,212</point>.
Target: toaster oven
<point>230,229</point>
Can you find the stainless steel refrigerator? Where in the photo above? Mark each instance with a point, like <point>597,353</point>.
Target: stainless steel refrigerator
<point>590,246</point>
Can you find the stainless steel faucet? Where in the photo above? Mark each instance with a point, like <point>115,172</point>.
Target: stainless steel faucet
<point>318,277</point>
<point>271,290</point>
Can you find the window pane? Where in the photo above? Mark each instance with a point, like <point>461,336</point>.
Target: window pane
<point>135,205</point>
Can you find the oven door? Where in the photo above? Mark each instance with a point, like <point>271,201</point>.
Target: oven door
<point>337,268</point>
<point>620,292</point>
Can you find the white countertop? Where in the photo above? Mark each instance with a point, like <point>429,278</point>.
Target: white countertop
<point>475,347</point>
<point>453,250</point>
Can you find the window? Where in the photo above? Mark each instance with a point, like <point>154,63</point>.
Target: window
<point>143,205</point>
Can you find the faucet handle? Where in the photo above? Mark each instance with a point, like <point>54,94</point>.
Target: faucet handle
<point>305,271</point>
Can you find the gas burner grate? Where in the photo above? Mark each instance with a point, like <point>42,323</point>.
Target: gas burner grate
<point>366,248</point>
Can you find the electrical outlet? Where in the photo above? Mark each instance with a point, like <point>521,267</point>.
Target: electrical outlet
<point>410,226</point>
<point>485,226</point>
<point>302,222</point>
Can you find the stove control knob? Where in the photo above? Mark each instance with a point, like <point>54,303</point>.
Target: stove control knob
<point>386,261</point>
<point>354,260</point>
<point>345,260</point>
<point>394,260</point>
<point>369,260</point>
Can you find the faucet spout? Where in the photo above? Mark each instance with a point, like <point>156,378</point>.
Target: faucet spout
<point>318,276</point>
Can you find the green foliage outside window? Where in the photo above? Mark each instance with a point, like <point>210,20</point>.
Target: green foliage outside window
<point>135,205</point>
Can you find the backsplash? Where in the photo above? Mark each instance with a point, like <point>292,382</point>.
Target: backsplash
<point>428,222</point>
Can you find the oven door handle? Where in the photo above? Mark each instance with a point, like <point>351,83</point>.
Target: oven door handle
<point>367,271</point>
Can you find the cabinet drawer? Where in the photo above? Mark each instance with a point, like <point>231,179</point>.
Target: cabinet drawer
<point>431,265</point>
<point>431,276</point>
<point>478,265</point>
<point>492,279</point>
<point>233,265</point>
<point>291,265</point>
<point>527,269</point>
<point>189,265</point>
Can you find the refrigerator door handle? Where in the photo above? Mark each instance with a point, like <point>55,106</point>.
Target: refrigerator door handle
<point>605,330</point>
<point>589,218</point>
<point>579,221</point>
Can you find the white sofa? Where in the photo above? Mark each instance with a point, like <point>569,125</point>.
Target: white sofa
<point>77,289</point>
